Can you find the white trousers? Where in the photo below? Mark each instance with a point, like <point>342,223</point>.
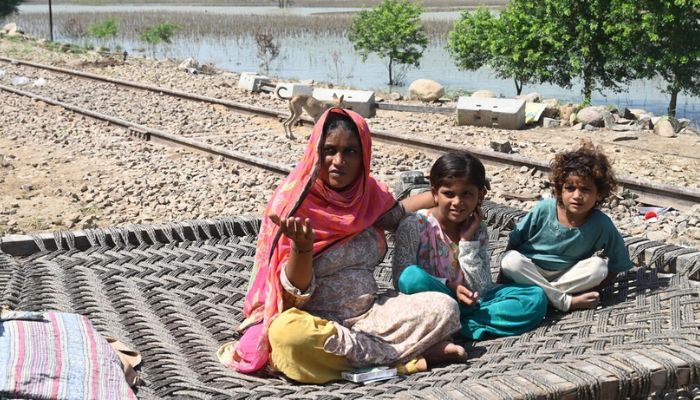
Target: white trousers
<point>557,285</point>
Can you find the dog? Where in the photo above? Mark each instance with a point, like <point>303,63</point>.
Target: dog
<point>313,107</point>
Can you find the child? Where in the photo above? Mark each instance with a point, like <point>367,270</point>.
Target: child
<point>445,249</point>
<point>555,245</point>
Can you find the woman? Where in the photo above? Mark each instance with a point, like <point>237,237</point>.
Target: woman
<point>312,308</point>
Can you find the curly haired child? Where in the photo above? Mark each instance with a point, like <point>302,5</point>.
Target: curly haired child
<point>556,245</point>
<point>445,249</point>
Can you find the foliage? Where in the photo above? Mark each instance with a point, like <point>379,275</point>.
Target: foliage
<point>667,38</point>
<point>392,30</point>
<point>104,29</point>
<point>553,41</point>
<point>162,32</point>
<point>267,51</point>
<point>8,7</point>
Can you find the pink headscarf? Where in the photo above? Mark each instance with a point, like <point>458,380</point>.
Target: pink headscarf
<point>335,217</point>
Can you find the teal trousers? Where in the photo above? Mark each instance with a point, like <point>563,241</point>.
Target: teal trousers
<point>506,310</point>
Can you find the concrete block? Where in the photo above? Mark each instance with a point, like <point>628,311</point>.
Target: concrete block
<point>360,101</point>
<point>492,112</point>
<point>251,81</point>
<point>289,90</point>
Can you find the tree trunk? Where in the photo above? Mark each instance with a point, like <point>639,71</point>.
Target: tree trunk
<point>587,90</point>
<point>672,104</point>
<point>391,71</point>
<point>518,86</point>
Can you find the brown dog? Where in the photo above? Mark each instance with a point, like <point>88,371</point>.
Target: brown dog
<point>313,107</point>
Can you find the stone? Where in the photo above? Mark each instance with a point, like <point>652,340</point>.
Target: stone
<point>550,123</point>
<point>188,63</point>
<point>533,97</point>
<point>566,111</point>
<point>664,128</point>
<point>395,96</point>
<point>484,94</point>
<point>627,114</point>
<point>657,235</point>
<point>10,29</point>
<point>501,146</point>
<point>425,90</point>
<point>597,116</point>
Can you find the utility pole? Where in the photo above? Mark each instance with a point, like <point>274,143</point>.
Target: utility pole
<point>50,22</point>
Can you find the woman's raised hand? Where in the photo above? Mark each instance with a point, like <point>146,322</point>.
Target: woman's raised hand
<point>297,230</point>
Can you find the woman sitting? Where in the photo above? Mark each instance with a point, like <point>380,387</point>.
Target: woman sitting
<point>313,308</point>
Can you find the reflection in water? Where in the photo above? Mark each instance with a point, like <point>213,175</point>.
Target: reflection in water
<point>331,58</point>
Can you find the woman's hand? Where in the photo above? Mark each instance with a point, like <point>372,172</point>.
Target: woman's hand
<point>297,230</point>
<point>471,226</point>
<point>466,296</point>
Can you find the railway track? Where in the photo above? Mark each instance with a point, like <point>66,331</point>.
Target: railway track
<point>649,192</point>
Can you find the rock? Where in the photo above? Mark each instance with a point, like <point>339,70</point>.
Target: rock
<point>638,113</point>
<point>566,111</point>
<point>395,96</point>
<point>425,90</point>
<point>693,233</point>
<point>623,128</point>
<point>189,65</point>
<point>533,97</point>
<point>597,116</point>
<point>39,82</point>
<point>19,81</point>
<point>657,236</point>
<point>683,123</point>
<point>501,146</point>
<point>627,114</point>
<point>484,94</point>
<point>577,127</point>
<point>551,110</point>
<point>10,29</point>
<point>645,122</point>
<point>664,128</point>
<point>550,123</point>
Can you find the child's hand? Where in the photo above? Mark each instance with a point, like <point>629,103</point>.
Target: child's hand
<point>466,296</point>
<point>471,226</point>
<point>298,231</point>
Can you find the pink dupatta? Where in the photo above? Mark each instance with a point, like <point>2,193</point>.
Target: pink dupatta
<point>335,217</point>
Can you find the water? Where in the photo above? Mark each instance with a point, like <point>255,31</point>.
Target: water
<point>333,59</point>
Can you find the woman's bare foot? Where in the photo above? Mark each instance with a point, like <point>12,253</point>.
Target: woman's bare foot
<point>584,301</point>
<point>445,352</point>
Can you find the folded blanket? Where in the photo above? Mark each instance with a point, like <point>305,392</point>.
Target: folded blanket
<point>61,356</point>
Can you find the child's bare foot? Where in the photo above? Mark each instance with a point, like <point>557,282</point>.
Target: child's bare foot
<point>585,301</point>
<point>445,352</point>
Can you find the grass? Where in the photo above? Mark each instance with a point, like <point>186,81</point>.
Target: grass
<point>296,3</point>
<point>197,25</point>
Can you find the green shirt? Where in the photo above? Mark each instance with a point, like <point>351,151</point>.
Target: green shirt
<point>540,237</point>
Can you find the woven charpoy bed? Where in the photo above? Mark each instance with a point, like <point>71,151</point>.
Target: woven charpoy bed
<point>175,293</point>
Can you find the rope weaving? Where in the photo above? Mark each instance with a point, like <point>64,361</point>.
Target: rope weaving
<point>175,292</point>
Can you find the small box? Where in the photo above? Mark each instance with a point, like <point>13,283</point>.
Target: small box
<point>491,112</point>
<point>289,90</point>
<point>360,101</point>
<point>252,81</point>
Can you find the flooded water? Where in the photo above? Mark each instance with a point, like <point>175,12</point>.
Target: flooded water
<point>332,59</point>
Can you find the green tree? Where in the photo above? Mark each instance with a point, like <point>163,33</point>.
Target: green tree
<point>512,45</point>
<point>8,7</point>
<point>666,39</point>
<point>588,28</point>
<point>392,30</point>
<point>105,29</point>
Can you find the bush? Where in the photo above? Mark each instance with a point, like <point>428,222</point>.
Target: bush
<point>104,29</point>
<point>160,33</point>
